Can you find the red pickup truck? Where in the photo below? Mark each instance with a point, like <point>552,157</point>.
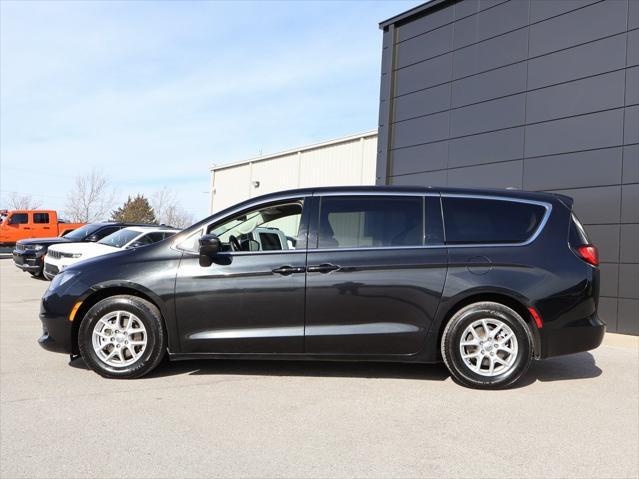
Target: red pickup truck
<point>22,224</point>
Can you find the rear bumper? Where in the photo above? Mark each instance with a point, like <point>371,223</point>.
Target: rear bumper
<point>578,336</point>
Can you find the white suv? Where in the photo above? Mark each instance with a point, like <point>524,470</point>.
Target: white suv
<point>60,256</point>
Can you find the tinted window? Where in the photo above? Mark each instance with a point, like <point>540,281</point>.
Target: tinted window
<point>366,221</point>
<point>434,227</point>
<point>270,241</point>
<point>106,231</point>
<point>80,233</point>
<point>41,218</point>
<point>155,237</point>
<point>472,220</point>
<point>19,219</point>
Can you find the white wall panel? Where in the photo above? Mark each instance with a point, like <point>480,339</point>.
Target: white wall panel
<point>276,174</point>
<point>348,161</point>
<point>231,186</point>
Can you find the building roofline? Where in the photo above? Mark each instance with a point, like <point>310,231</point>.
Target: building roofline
<point>410,13</point>
<point>314,146</point>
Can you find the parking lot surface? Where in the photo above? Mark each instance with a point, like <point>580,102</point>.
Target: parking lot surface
<point>575,416</point>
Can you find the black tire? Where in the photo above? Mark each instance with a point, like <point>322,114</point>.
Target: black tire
<point>36,274</point>
<point>452,337</point>
<point>151,318</point>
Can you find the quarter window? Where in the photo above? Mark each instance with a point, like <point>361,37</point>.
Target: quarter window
<point>371,221</point>
<point>41,218</point>
<point>477,221</point>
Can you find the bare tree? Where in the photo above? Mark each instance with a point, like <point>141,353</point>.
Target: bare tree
<point>177,216</point>
<point>23,202</point>
<point>168,210</point>
<point>91,198</point>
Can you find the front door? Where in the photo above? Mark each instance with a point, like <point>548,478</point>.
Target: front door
<point>251,298</point>
<point>375,276</point>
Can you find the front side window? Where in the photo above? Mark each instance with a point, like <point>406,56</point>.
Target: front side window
<point>19,219</point>
<point>270,228</point>
<point>371,221</point>
<point>481,221</point>
<point>41,218</point>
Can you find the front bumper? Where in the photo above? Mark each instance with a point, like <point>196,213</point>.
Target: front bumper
<point>576,337</point>
<point>50,271</point>
<point>56,330</point>
<point>56,333</point>
<point>27,262</point>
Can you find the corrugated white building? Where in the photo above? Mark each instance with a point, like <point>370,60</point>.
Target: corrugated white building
<point>343,161</point>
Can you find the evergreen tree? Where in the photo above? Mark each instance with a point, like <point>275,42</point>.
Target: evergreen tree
<point>135,210</point>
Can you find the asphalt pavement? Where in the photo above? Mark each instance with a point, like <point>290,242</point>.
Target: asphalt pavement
<point>574,416</point>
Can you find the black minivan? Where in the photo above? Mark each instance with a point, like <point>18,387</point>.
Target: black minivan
<point>485,280</point>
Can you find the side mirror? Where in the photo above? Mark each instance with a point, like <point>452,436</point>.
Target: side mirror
<point>93,238</point>
<point>137,244</point>
<point>209,247</point>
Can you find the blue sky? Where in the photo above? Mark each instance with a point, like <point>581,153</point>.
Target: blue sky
<point>154,93</point>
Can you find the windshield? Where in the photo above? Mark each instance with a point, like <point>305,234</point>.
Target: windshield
<point>119,238</point>
<point>81,233</point>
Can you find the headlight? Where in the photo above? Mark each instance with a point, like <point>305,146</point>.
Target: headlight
<point>36,247</point>
<point>71,255</point>
<point>61,278</point>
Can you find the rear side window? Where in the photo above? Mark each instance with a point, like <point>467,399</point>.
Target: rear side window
<point>41,218</point>
<point>152,238</point>
<point>106,231</point>
<point>480,221</point>
<point>368,221</point>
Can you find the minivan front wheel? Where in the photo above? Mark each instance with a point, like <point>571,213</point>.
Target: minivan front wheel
<point>122,337</point>
<point>487,345</point>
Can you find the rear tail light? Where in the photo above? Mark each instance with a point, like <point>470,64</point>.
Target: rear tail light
<point>589,254</point>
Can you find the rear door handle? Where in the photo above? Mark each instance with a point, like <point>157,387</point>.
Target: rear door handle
<point>286,270</point>
<point>323,268</point>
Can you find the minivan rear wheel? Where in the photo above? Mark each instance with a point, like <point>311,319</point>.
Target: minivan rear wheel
<point>487,345</point>
<point>122,337</point>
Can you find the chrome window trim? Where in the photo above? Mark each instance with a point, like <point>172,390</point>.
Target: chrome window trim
<point>375,193</point>
<point>531,239</point>
<point>375,248</point>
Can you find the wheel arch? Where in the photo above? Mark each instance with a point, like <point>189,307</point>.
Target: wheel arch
<point>505,297</point>
<point>97,294</point>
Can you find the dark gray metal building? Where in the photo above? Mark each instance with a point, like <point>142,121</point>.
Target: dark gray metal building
<point>532,94</point>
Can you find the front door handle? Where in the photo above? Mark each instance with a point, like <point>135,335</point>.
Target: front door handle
<point>323,268</point>
<point>286,270</point>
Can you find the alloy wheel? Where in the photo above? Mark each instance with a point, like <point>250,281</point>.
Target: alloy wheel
<point>488,347</point>
<point>119,338</point>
